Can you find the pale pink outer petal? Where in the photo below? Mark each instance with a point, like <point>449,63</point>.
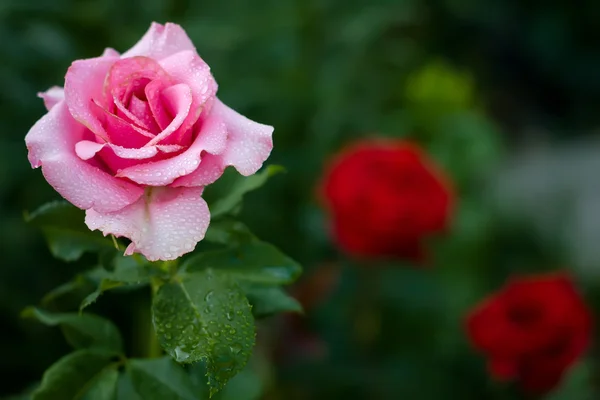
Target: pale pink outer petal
<point>161,41</point>
<point>51,144</point>
<point>84,84</point>
<point>249,144</point>
<point>52,96</point>
<point>212,138</point>
<point>163,224</point>
<point>110,52</point>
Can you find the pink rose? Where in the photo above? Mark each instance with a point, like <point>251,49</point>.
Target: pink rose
<point>134,138</point>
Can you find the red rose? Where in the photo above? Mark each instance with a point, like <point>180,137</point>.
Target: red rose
<point>385,197</point>
<point>533,330</point>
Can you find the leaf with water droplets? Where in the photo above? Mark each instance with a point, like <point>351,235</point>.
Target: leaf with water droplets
<point>254,261</point>
<point>230,189</point>
<point>66,233</point>
<point>205,316</point>
<point>161,378</point>
<point>81,330</point>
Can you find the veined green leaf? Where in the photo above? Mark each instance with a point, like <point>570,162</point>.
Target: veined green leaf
<point>205,316</point>
<point>161,379</point>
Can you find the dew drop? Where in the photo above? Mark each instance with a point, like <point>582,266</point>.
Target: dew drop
<point>180,354</point>
<point>235,348</point>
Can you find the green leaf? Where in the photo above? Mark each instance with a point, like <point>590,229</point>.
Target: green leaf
<point>253,261</point>
<point>73,375</point>
<point>269,300</point>
<point>238,187</point>
<point>247,385</point>
<point>125,388</point>
<point>68,287</point>
<point>104,386</point>
<point>128,270</point>
<point>66,233</point>
<point>228,232</point>
<point>205,316</point>
<point>105,284</point>
<point>161,379</point>
<point>81,330</point>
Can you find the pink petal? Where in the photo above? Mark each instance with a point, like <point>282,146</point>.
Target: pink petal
<point>117,158</point>
<point>211,138</point>
<point>51,144</point>
<point>178,100</point>
<point>153,95</point>
<point>161,41</point>
<point>187,67</point>
<point>141,110</point>
<point>249,143</point>
<point>248,146</point>
<point>119,131</point>
<point>84,84</point>
<point>163,224</point>
<point>87,149</point>
<point>108,52</point>
<point>52,96</point>
<point>211,168</point>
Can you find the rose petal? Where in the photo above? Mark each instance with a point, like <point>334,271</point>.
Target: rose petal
<point>503,369</point>
<point>51,142</point>
<point>211,168</point>
<point>248,146</point>
<point>109,52</point>
<point>141,110</point>
<point>187,67</point>
<point>211,138</point>
<point>178,100</point>
<point>52,96</point>
<point>119,131</point>
<point>87,149</point>
<point>117,158</point>
<point>84,83</point>
<point>161,41</point>
<point>153,95</point>
<point>248,143</point>
<point>162,225</point>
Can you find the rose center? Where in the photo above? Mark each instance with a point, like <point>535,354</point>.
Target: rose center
<point>525,314</point>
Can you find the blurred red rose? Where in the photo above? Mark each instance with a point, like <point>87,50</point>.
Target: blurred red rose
<point>532,331</point>
<point>385,197</point>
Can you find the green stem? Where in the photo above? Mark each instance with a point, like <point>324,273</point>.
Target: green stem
<point>154,349</point>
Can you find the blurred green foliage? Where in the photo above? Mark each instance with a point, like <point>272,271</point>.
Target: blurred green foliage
<point>452,75</point>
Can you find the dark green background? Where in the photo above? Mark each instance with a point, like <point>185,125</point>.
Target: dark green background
<point>476,82</point>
